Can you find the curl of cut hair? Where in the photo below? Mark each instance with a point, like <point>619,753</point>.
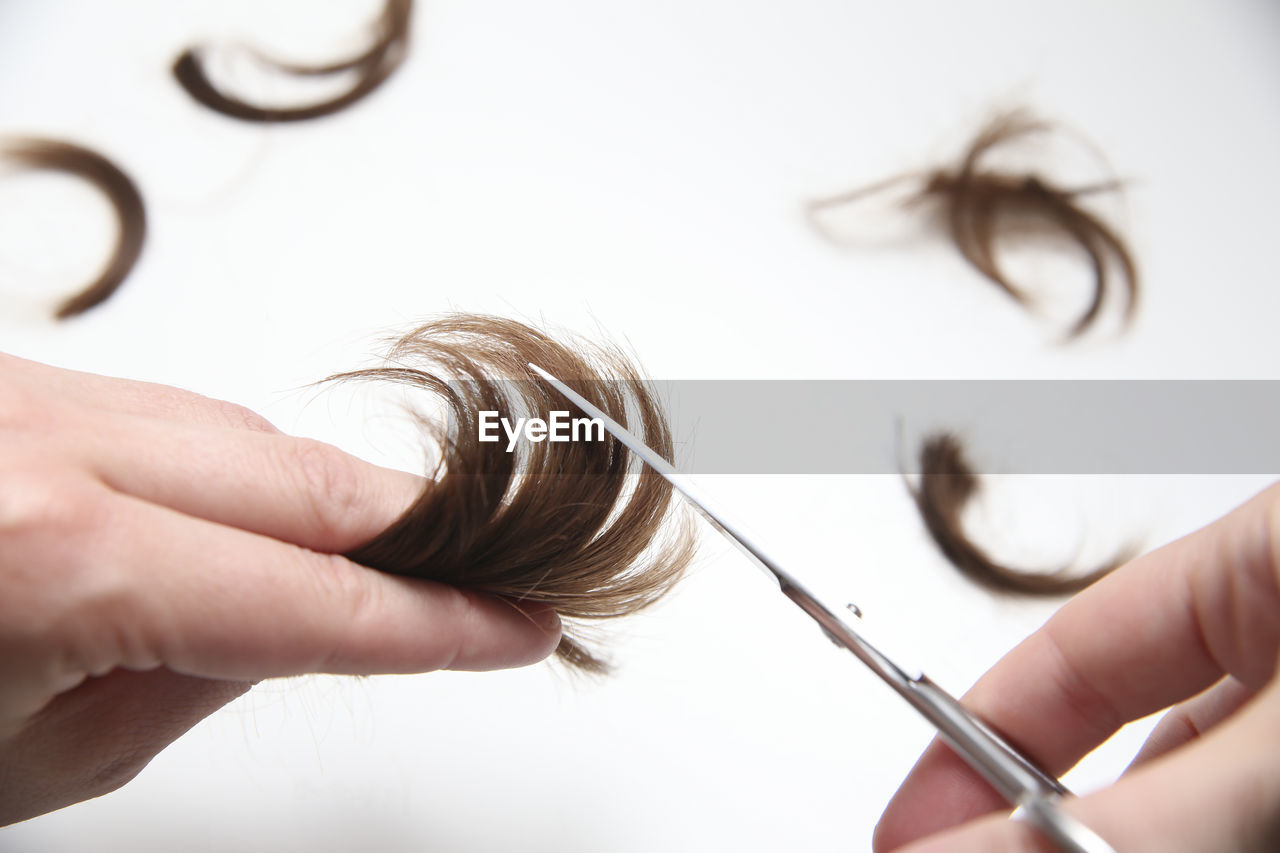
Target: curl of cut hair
<point>947,485</point>
<point>371,69</point>
<point>575,525</point>
<point>982,206</point>
<point>121,192</point>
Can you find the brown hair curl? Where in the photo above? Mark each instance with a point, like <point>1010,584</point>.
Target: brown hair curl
<point>573,525</point>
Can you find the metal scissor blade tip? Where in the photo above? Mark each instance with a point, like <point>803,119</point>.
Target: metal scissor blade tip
<point>617,430</point>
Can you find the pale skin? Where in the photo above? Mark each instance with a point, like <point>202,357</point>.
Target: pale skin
<point>1195,625</point>
<point>161,551</point>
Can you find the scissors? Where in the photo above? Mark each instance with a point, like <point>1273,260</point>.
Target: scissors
<point>1011,773</point>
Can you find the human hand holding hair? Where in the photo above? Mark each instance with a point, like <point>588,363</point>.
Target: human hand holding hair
<point>1197,623</point>
<point>161,551</point>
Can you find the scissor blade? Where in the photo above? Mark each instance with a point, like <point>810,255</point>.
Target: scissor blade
<point>678,481</point>
<point>634,444</point>
<point>832,619</point>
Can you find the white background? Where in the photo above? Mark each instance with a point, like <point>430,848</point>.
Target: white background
<point>637,171</point>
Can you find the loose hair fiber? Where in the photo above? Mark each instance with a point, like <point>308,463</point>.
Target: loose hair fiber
<point>572,525</point>
<point>121,192</point>
<point>983,207</point>
<point>371,68</point>
<point>947,485</point>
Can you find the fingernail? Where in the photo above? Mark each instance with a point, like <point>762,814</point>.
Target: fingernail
<point>542,615</point>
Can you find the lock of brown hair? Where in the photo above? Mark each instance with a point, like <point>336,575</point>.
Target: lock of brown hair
<point>371,69</point>
<point>576,525</point>
<point>121,192</point>
<point>983,206</point>
<point>947,486</point>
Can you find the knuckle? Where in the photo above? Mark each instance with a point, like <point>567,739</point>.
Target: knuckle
<point>460,611</point>
<point>357,604</point>
<point>1087,701</point>
<point>19,407</point>
<point>190,406</point>
<point>240,417</point>
<point>32,503</point>
<point>336,581</point>
<point>50,560</point>
<point>332,484</point>
<point>223,413</point>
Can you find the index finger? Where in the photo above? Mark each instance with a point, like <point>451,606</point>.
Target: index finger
<point>1159,629</point>
<point>204,458</point>
<point>45,383</point>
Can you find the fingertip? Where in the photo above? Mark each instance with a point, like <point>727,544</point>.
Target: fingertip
<point>547,621</point>
<point>509,634</point>
<point>550,629</point>
<point>940,792</point>
<point>544,616</point>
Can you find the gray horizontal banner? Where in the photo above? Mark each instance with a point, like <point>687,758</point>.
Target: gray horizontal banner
<point>1010,427</point>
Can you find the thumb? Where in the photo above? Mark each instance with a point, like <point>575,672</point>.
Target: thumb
<point>93,739</point>
<point>1221,792</point>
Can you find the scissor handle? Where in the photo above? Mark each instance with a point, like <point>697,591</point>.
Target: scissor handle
<point>1010,772</point>
<point>1004,767</point>
<point>1064,830</point>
